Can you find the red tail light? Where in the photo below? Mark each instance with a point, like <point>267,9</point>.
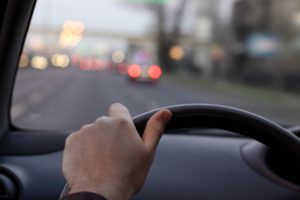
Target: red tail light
<point>134,71</point>
<point>154,72</point>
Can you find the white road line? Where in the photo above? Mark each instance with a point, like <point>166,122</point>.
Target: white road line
<point>32,99</point>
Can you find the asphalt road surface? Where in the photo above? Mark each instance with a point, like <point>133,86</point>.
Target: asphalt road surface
<point>66,99</point>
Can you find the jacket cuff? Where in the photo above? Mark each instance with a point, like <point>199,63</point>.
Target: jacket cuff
<point>83,196</point>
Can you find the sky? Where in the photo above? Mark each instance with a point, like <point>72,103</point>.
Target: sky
<point>100,14</point>
<point>114,15</point>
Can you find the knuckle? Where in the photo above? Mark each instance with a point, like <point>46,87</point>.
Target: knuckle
<point>116,104</point>
<point>112,106</point>
<point>85,128</point>
<point>86,131</point>
<point>121,121</point>
<point>101,120</point>
<point>70,140</point>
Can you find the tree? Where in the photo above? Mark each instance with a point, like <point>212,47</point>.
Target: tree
<point>165,37</point>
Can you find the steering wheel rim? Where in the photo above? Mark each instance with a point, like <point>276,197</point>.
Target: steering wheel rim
<point>226,118</point>
<point>230,119</point>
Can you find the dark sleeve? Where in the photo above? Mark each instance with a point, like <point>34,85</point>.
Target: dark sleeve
<point>83,196</point>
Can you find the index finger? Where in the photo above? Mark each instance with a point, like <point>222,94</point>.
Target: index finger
<point>119,111</point>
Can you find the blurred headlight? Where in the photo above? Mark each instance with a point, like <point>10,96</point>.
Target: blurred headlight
<point>39,62</point>
<point>60,60</point>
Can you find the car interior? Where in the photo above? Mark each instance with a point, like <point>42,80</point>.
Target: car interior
<point>209,151</point>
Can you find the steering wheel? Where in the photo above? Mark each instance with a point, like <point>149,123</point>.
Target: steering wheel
<point>226,118</point>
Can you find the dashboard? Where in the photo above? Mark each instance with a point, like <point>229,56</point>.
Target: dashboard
<point>186,167</point>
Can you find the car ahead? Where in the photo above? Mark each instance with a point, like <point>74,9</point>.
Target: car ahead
<point>241,156</point>
<point>146,73</point>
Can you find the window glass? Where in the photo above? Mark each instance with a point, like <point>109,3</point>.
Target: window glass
<point>81,56</point>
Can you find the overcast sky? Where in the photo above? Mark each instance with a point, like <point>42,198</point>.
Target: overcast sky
<point>108,14</point>
<point>114,15</point>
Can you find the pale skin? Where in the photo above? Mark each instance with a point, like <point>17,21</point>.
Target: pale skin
<point>109,157</point>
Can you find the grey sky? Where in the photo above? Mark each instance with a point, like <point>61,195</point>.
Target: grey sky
<point>112,15</point>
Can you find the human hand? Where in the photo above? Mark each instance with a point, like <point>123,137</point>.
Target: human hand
<point>109,157</point>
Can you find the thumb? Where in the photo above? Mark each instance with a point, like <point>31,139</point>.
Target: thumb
<point>155,128</point>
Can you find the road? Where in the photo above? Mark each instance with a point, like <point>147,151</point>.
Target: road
<point>66,99</point>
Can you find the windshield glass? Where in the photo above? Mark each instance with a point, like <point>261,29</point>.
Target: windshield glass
<point>81,56</point>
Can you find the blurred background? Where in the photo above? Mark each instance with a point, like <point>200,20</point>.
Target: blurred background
<point>79,57</point>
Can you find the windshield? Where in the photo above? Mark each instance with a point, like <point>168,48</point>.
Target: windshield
<point>81,56</point>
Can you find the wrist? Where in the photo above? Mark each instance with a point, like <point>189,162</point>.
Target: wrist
<point>107,191</point>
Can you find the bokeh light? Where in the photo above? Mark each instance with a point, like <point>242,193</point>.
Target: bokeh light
<point>118,56</point>
<point>176,52</point>
<point>24,61</point>
<point>71,34</point>
<point>155,72</point>
<point>134,71</point>
<point>39,62</point>
<point>60,60</point>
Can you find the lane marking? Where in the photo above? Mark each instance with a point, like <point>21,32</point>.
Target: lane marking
<point>31,100</point>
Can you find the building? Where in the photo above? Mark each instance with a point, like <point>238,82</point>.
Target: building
<point>268,18</point>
